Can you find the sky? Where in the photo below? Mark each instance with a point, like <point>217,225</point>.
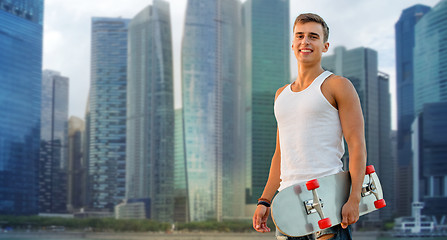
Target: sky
<point>352,23</point>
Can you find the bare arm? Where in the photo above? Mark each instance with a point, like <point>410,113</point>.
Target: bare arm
<point>352,124</point>
<point>261,214</point>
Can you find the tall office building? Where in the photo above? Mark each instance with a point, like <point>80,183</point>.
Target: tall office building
<point>53,164</point>
<point>211,94</point>
<point>181,212</point>
<point>77,168</point>
<point>430,59</point>
<point>430,97</point>
<point>360,66</point>
<point>107,130</point>
<point>386,158</point>
<point>405,38</point>
<point>150,111</point>
<point>20,93</point>
<point>430,151</point>
<point>267,68</point>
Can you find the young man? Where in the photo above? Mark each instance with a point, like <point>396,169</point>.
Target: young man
<point>313,114</point>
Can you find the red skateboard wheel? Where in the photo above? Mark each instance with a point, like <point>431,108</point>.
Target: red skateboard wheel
<point>370,169</point>
<point>324,223</point>
<point>312,184</point>
<point>380,203</point>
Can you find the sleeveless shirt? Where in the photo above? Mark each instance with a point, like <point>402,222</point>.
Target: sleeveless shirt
<point>310,134</point>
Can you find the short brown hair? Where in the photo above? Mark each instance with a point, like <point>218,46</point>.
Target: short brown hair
<point>311,17</point>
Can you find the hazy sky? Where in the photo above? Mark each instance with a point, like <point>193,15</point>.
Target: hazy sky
<point>352,23</point>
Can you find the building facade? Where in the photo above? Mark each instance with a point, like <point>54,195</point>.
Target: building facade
<point>53,164</point>
<point>77,168</point>
<point>430,148</point>
<point>150,111</point>
<point>210,82</point>
<point>266,69</point>
<point>181,206</point>
<point>405,38</point>
<point>107,119</point>
<point>21,24</point>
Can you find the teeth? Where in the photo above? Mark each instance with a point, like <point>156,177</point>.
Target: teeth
<point>306,50</point>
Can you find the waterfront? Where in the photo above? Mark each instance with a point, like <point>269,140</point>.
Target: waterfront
<point>173,236</point>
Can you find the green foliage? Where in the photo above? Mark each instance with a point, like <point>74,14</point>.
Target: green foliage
<point>95,224</point>
<point>121,225</point>
<point>225,226</point>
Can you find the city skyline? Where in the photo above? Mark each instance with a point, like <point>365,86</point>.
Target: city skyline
<point>67,24</point>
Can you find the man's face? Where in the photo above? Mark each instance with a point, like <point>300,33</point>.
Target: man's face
<point>308,42</point>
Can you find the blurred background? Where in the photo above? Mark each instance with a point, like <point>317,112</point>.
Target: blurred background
<point>163,110</point>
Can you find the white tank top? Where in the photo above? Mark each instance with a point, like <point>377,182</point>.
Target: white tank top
<point>310,134</point>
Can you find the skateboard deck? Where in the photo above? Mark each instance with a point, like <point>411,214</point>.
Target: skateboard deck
<point>308,207</point>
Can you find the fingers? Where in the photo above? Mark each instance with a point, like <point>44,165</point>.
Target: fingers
<point>260,220</point>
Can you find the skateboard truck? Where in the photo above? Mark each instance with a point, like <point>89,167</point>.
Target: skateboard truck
<point>316,204</point>
<point>370,188</point>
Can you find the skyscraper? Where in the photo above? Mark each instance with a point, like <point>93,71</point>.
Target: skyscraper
<point>53,164</point>
<point>430,150</point>
<point>77,168</point>
<point>107,123</point>
<point>20,101</point>
<point>150,111</point>
<point>405,38</point>
<point>430,60</point>
<point>267,68</point>
<point>430,104</point>
<point>359,65</point>
<point>211,78</point>
<point>181,212</point>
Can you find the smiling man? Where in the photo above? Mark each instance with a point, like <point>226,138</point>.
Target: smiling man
<point>313,114</point>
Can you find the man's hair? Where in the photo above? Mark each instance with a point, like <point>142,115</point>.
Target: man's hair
<point>311,17</point>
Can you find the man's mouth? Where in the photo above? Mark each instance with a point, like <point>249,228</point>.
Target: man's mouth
<point>306,50</point>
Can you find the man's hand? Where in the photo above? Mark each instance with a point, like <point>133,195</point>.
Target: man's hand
<point>260,219</point>
<point>350,213</point>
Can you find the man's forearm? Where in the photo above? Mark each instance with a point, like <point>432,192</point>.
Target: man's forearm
<point>274,180</point>
<point>357,168</point>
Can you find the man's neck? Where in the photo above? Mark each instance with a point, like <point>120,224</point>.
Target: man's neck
<point>307,74</point>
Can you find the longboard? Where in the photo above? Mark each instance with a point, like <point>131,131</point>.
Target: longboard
<point>311,206</point>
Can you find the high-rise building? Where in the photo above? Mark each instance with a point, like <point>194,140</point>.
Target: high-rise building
<point>181,212</point>
<point>20,93</point>
<point>77,168</point>
<point>359,65</point>
<point>430,152</point>
<point>150,111</point>
<point>107,123</point>
<point>404,31</point>
<point>430,98</point>
<point>266,68</point>
<point>211,95</point>
<point>53,164</point>
<point>386,158</point>
<point>430,60</point>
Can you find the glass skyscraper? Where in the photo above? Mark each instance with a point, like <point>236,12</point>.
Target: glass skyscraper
<point>430,58</point>
<point>405,38</point>
<point>53,165</point>
<point>211,79</point>
<point>181,213</point>
<point>150,111</point>
<point>267,68</point>
<point>430,148</point>
<point>107,119</point>
<point>20,104</point>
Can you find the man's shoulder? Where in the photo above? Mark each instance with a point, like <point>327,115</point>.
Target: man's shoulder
<point>336,82</point>
<point>279,91</point>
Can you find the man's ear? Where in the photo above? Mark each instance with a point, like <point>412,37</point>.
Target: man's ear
<point>326,47</point>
